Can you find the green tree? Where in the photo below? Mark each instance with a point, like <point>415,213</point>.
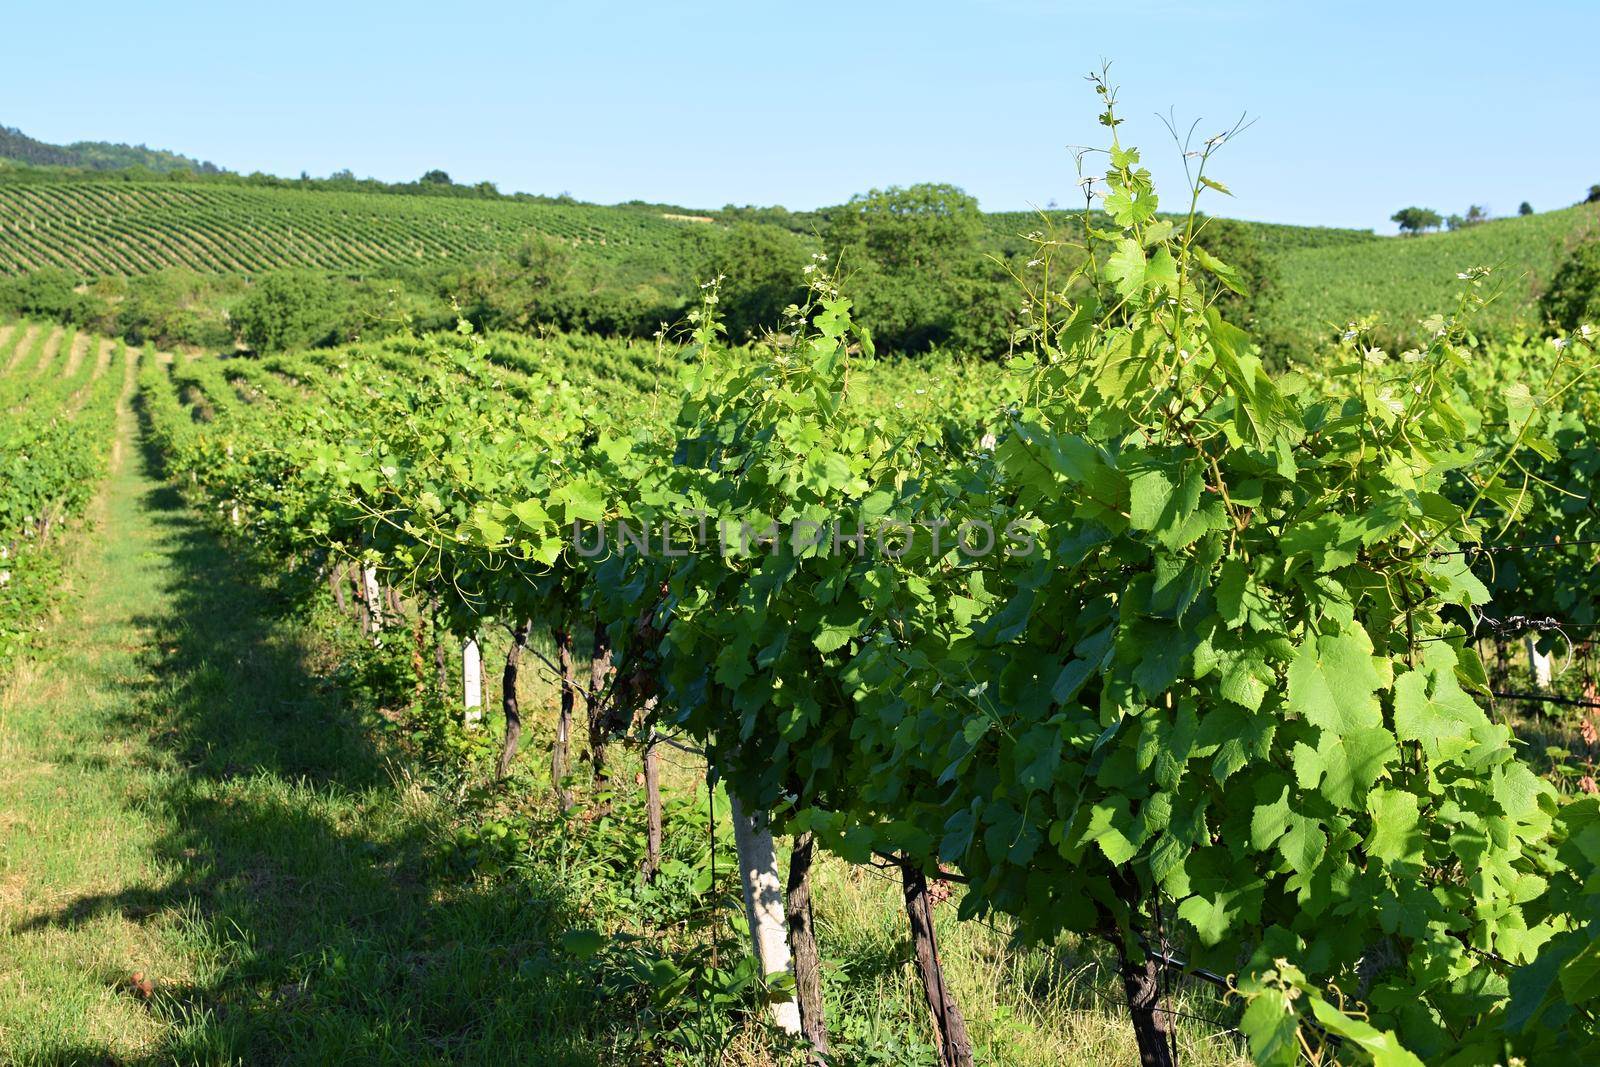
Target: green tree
<point>436,177</point>
<point>291,309</point>
<point>1594,195</point>
<point>1414,220</point>
<point>917,268</point>
<point>762,267</point>
<point>1524,208</point>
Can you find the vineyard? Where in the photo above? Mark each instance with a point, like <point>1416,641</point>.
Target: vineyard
<point>122,228</point>
<point>1402,281</point>
<point>58,390</point>
<point>852,709</point>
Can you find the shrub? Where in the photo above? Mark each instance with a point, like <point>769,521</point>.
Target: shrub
<point>50,294</point>
<point>763,268</point>
<point>173,307</point>
<point>1573,295</point>
<point>291,309</point>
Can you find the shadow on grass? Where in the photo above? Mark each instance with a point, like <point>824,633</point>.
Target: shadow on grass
<point>305,879</point>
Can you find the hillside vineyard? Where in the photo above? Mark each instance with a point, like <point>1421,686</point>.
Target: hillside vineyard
<point>1136,642</point>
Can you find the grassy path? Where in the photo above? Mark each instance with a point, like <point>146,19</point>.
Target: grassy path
<point>182,797</point>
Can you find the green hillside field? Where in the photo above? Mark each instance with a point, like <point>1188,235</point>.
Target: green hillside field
<point>114,227</point>
<point>1402,280</point>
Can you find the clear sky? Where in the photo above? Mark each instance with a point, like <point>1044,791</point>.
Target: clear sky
<point>1362,107</point>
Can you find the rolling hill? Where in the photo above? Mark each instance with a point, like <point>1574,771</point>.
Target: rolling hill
<point>1403,280</point>
<point>117,227</point>
<point>95,155</point>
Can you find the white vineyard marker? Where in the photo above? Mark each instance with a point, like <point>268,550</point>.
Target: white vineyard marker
<point>1540,662</point>
<point>763,904</point>
<point>369,588</point>
<point>472,680</point>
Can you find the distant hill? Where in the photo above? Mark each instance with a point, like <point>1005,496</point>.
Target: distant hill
<point>95,155</point>
<point>1402,280</point>
<point>105,209</point>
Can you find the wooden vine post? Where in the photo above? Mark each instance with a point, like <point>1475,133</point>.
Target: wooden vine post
<point>652,809</point>
<point>508,697</point>
<point>1539,664</point>
<point>953,1046</point>
<point>560,748</point>
<point>599,706</point>
<point>440,657</point>
<point>363,613</point>
<point>374,601</point>
<point>803,944</point>
<point>336,585</point>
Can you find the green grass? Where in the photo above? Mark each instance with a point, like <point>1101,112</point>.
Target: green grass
<point>185,797</point>
<point>1403,280</point>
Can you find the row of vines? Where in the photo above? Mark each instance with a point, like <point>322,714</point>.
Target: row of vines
<point>58,397</point>
<point>121,228</point>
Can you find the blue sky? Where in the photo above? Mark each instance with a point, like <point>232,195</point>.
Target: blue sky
<point>1361,107</point>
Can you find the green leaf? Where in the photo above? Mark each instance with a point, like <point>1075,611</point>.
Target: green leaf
<point>1271,1027</point>
<point>1071,679</point>
<point>1299,838</point>
<point>1382,1045</point>
<point>1149,489</point>
<point>1125,267</point>
<point>827,470</point>
<point>1344,766</point>
<point>1213,917</point>
<point>1333,682</point>
<point>1237,737</point>
<point>1225,274</point>
<point>530,513</point>
<point>1037,755</point>
<point>1580,975</point>
<point>1395,836</point>
<point>1431,709</point>
<point>1129,206</point>
<point>1258,402</point>
<point>491,530</point>
<point>583,502</point>
<point>832,638</point>
<point>1108,820</point>
<point>834,318</point>
<point>1161,272</point>
<point>583,943</point>
<point>1246,678</point>
<point>1270,820</point>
